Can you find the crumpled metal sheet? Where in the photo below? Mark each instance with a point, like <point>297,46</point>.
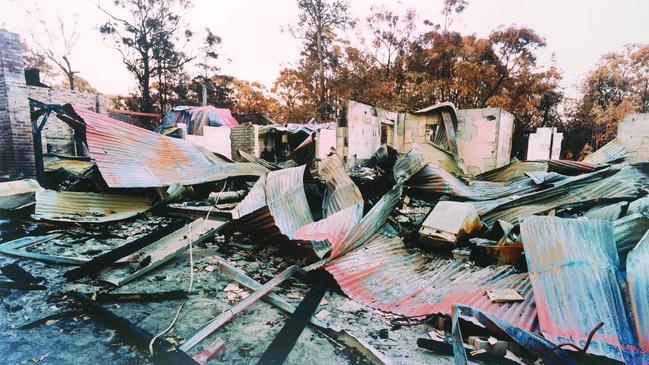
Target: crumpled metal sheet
<point>254,200</point>
<point>131,157</point>
<point>436,180</point>
<point>575,273</point>
<point>629,230</point>
<point>341,191</point>
<point>286,199</point>
<point>384,276</point>
<point>519,169</point>
<point>625,184</point>
<point>611,152</point>
<point>258,160</point>
<point>438,156</point>
<point>369,224</point>
<point>276,204</point>
<point>409,164</point>
<point>82,207</point>
<point>637,270</point>
<point>330,231</point>
<point>14,194</point>
<point>76,166</point>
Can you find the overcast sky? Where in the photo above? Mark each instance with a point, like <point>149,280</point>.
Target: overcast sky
<point>254,47</point>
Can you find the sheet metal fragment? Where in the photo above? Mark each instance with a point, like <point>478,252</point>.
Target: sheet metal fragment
<point>384,276</point>
<point>131,157</point>
<point>637,269</point>
<point>82,207</point>
<point>575,274</point>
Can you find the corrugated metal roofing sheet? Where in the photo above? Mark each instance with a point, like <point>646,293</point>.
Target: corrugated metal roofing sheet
<point>610,152</point>
<point>286,199</point>
<point>369,224</point>
<point>625,184</point>
<point>330,231</point>
<point>629,230</point>
<point>84,207</point>
<point>275,205</point>
<point>254,200</point>
<point>637,269</point>
<point>383,275</point>
<point>409,164</point>
<point>436,180</point>
<point>341,191</point>
<point>519,169</point>
<point>577,283</point>
<point>132,157</point>
<point>437,156</point>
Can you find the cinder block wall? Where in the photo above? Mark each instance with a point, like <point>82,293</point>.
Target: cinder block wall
<point>58,137</point>
<point>16,143</point>
<point>244,137</point>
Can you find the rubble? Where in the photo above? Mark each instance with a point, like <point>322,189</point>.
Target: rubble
<point>532,261</point>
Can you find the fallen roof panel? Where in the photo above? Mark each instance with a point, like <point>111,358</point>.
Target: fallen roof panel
<point>575,273</point>
<point>341,191</point>
<point>383,275</point>
<point>610,152</point>
<point>583,189</point>
<point>638,278</point>
<point>286,199</point>
<point>131,157</point>
<point>435,180</point>
<point>81,207</point>
<point>519,169</point>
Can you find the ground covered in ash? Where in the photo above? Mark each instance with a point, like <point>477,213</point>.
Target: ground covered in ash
<point>79,339</point>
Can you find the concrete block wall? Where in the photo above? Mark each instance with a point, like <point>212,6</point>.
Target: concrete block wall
<point>58,137</point>
<point>244,137</point>
<point>16,143</point>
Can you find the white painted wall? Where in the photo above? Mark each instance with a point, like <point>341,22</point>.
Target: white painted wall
<point>325,141</point>
<point>538,145</point>
<point>484,138</point>
<point>215,139</point>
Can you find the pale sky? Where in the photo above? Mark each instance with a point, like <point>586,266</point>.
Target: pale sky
<point>254,47</point>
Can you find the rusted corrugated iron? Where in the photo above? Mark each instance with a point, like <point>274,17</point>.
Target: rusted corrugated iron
<point>383,275</point>
<point>583,189</point>
<point>131,157</point>
<point>437,156</point>
<point>370,223</point>
<point>409,164</point>
<point>637,270</point>
<point>275,205</point>
<point>255,200</point>
<point>435,180</point>
<point>258,160</point>
<point>575,273</point>
<point>611,152</point>
<point>330,231</point>
<point>82,207</point>
<point>519,169</point>
<point>286,199</point>
<point>341,191</point>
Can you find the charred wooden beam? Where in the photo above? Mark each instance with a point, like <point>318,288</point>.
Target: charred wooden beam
<point>165,352</point>
<point>104,260</point>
